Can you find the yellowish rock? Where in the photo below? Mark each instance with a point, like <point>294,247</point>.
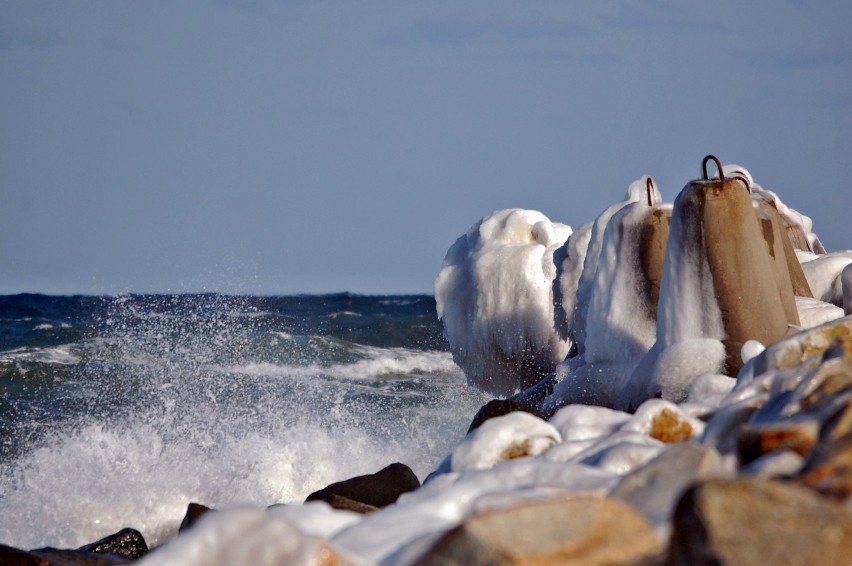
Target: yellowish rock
<point>567,532</point>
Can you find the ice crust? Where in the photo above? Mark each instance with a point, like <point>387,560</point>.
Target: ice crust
<point>502,320</point>
<point>494,296</point>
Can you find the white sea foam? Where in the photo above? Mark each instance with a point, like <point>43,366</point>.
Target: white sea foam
<point>200,426</point>
<point>93,480</point>
<point>376,364</point>
<point>60,355</point>
<point>338,314</point>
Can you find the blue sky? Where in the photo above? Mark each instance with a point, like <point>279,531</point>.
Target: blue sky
<point>309,147</point>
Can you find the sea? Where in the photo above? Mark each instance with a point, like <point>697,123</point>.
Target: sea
<point>118,411</point>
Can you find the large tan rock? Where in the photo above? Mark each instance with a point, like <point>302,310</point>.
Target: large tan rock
<point>655,488</point>
<point>582,530</point>
<point>750,521</point>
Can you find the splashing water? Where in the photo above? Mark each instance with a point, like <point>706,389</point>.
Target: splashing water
<point>160,401</point>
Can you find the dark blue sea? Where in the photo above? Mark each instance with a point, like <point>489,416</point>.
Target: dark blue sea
<point>119,411</point>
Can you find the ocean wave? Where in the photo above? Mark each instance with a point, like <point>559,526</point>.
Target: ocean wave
<point>60,355</point>
<point>48,326</point>
<point>376,363</point>
<point>335,315</point>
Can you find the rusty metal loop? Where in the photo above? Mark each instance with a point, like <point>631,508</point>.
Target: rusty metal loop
<point>649,190</point>
<point>744,181</point>
<point>718,166</point>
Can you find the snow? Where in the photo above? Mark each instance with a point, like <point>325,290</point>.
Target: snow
<point>504,438</point>
<point>569,260</point>
<point>239,536</point>
<point>823,275</point>
<point>621,322</point>
<point>813,312</point>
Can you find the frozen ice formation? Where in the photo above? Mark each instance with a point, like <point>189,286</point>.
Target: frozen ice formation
<point>650,296</point>
<point>494,295</point>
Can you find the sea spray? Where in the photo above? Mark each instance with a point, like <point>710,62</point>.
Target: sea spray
<point>223,401</point>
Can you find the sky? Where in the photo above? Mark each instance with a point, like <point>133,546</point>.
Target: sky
<point>283,147</point>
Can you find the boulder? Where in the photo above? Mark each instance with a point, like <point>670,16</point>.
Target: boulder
<point>803,350</point>
<point>194,511</point>
<point>10,556</point>
<point>245,536</point>
<point>341,503</point>
<point>828,469</point>
<point>530,400</point>
<point>796,434</point>
<point>839,422</point>
<point>754,521</point>
<point>655,488</point>
<point>582,530</point>
<point>378,490</point>
<point>128,543</point>
<point>516,435</point>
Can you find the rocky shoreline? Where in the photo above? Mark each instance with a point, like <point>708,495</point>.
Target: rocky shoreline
<point>765,478</point>
<point>702,414</point>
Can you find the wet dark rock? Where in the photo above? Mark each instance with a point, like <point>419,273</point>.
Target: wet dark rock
<point>345,504</point>
<point>529,401</point>
<point>498,408</point>
<point>128,543</point>
<point>194,511</point>
<point>378,490</point>
<point>10,556</point>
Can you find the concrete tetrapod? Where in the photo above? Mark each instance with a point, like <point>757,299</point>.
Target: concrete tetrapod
<point>747,292</point>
